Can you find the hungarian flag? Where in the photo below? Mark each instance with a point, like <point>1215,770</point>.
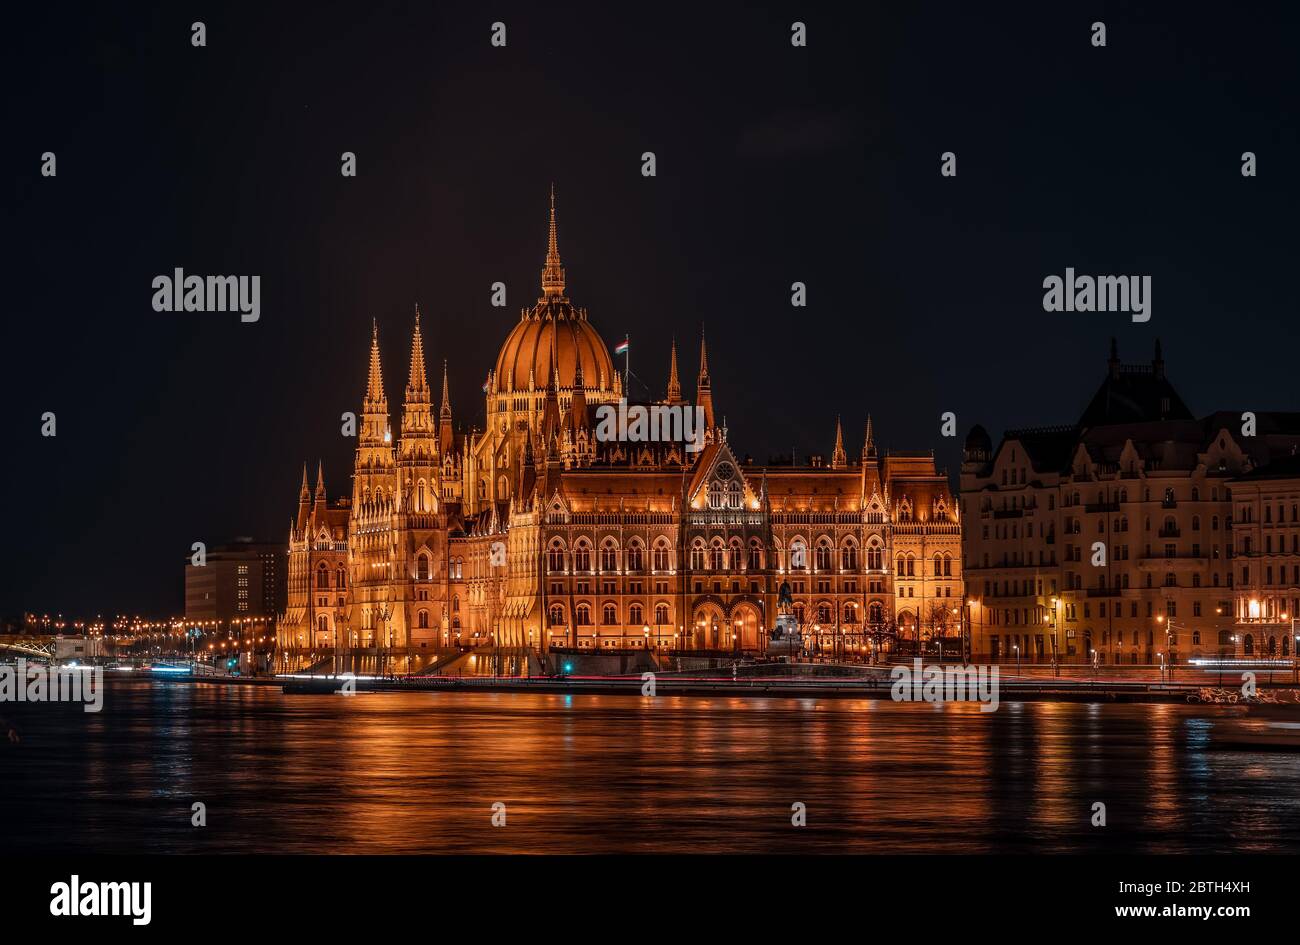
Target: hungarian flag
<point>621,348</point>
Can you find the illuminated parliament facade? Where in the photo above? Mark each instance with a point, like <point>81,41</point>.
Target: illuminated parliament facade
<point>537,532</point>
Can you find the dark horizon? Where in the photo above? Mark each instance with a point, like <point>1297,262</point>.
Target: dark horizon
<point>775,164</point>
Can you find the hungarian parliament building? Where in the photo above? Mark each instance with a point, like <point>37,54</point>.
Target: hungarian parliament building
<point>536,532</point>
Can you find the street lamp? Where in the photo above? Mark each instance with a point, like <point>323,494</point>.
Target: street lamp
<point>1056,666</point>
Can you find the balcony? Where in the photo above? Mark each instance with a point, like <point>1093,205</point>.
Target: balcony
<point>1167,532</point>
<point>1102,507</point>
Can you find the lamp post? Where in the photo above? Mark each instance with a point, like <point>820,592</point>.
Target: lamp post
<point>1016,647</point>
<point>1056,666</point>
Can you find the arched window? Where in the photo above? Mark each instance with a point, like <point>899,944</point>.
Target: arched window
<point>582,556</point>
<point>609,556</point>
<point>341,577</point>
<point>555,557</point>
<point>876,612</point>
<point>556,614</point>
<point>911,564</point>
<point>697,555</point>
<point>715,495</point>
<point>875,558</point>
<point>323,624</point>
<point>734,555</point>
<point>755,555</point>
<point>947,565</point>
<point>823,555</point>
<point>850,613</point>
<point>422,567</point>
<point>798,555</point>
<point>938,564</point>
<point>661,614</point>
<point>715,556</point>
<point>583,613</point>
<point>849,557</point>
<point>609,616</point>
<point>422,620</point>
<point>419,497</point>
<point>661,558</point>
<point>635,556</point>
<point>823,612</point>
<point>634,615</point>
<point>322,577</point>
<point>733,496</point>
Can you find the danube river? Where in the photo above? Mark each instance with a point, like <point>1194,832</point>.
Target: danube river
<point>420,772</point>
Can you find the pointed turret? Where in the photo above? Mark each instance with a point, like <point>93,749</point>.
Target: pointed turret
<point>578,410</point>
<point>444,415</point>
<point>869,444</point>
<point>304,501</point>
<point>674,384</point>
<point>417,385</point>
<point>704,386</point>
<point>320,481</point>
<point>417,448</point>
<point>375,379</point>
<point>552,272</point>
<point>838,458</point>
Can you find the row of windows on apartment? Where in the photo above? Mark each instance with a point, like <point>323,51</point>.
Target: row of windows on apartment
<point>1074,582</point>
<point>1246,544</point>
<point>1103,495</point>
<point>1248,514</point>
<point>1267,575</point>
<point>1042,615</point>
<point>1074,526</point>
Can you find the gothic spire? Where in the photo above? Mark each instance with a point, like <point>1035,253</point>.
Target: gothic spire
<point>320,479</point>
<point>869,444</point>
<point>552,272</point>
<point>674,385</point>
<point>418,382</point>
<point>703,380</point>
<point>445,412</point>
<point>304,493</point>
<point>838,459</point>
<point>375,380</point>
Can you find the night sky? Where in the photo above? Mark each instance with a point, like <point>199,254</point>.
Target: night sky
<point>775,164</point>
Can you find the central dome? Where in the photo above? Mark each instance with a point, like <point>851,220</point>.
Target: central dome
<point>553,330</point>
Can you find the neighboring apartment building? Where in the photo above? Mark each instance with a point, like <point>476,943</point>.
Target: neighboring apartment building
<point>1112,539</point>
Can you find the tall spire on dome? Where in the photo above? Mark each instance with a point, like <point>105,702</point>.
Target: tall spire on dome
<point>674,384</point>
<point>838,459</point>
<point>552,272</point>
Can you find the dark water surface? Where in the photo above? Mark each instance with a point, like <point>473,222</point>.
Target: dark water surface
<point>417,772</point>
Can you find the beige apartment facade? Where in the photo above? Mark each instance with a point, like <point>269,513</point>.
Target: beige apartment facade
<point>1112,539</point>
